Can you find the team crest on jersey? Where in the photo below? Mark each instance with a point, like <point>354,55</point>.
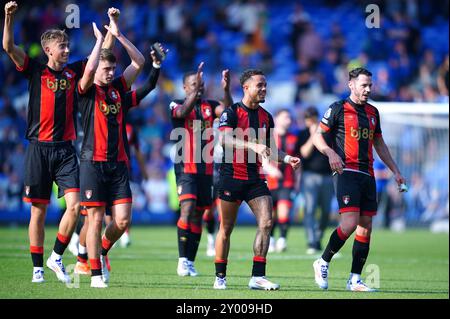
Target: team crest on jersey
<point>372,119</point>
<point>179,189</point>
<point>207,112</point>
<point>113,95</point>
<point>223,118</point>
<point>88,193</point>
<point>346,199</point>
<point>68,75</point>
<point>327,113</point>
<point>27,190</point>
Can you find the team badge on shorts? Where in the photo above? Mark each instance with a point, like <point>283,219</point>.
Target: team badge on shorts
<point>27,190</point>
<point>88,193</point>
<point>179,189</point>
<point>227,193</point>
<point>346,199</point>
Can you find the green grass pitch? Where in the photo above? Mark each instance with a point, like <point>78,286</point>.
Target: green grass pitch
<point>413,264</point>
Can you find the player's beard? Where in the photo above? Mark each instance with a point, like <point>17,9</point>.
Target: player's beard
<point>364,98</point>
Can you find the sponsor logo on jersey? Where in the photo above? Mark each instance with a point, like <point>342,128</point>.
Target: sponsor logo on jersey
<point>346,199</point>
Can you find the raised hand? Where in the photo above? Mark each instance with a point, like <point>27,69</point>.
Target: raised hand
<point>113,27</point>
<point>11,8</point>
<point>113,14</point>
<point>97,33</point>
<point>158,57</point>
<point>226,79</point>
<point>199,81</point>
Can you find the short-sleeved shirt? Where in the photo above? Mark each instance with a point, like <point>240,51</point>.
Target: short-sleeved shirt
<point>192,158</point>
<point>353,129</point>
<point>52,104</point>
<point>247,124</point>
<point>316,162</point>
<point>103,112</point>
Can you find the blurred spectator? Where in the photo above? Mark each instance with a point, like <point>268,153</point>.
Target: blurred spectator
<point>156,190</point>
<point>310,46</point>
<point>382,178</point>
<point>408,56</point>
<point>442,79</point>
<point>299,20</point>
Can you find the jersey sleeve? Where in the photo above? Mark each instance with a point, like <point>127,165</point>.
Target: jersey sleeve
<point>29,67</point>
<point>378,132</point>
<point>120,84</point>
<point>330,118</point>
<point>130,100</point>
<point>228,119</point>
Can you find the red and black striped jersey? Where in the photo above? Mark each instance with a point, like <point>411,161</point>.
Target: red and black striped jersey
<point>287,143</point>
<point>249,125</point>
<point>52,102</point>
<point>353,129</point>
<point>192,157</point>
<point>103,112</point>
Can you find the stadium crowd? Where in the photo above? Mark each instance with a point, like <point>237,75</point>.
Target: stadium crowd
<point>310,45</point>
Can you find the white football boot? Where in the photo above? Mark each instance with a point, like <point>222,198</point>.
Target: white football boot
<point>271,245</point>
<point>356,284</point>
<point>210,248</point>
<point>262,283</point>
<point>220,283</point>
<point>281,245</point>
<point>38,274</point>
<point>191,268</point>
<point>321,273</point>
<point>97,282</point>
<point>183,269</point>
<point>58,267</point>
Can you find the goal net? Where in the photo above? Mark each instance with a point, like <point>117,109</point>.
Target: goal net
<point>417,135</point>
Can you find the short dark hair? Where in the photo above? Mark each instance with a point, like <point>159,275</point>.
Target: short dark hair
<point>353,74</point>
<point>248,74</point>
<point>311,112</point>
<point>108,55</point>
<point>188,74</point>
<point>281,110</point>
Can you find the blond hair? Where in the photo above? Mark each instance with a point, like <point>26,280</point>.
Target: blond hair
<point>53,35</point>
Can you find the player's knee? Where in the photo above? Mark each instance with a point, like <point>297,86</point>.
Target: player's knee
<point>96,221</point>
<point>123,223</point>
<point>349,227</point>
<point>266,224</point>
<point>227,229</point>
<point>73,209</point>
